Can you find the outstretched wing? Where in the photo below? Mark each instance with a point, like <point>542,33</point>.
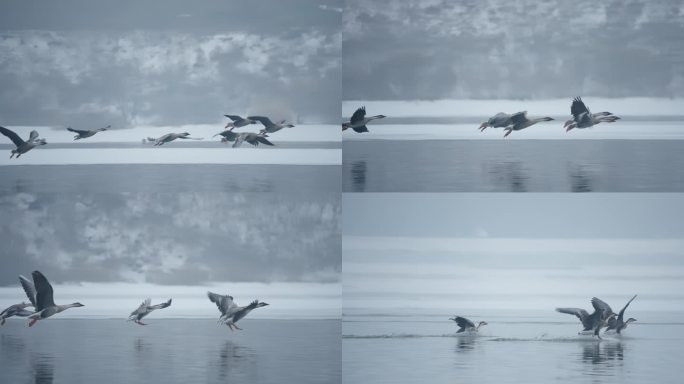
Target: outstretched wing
<point>13,136</point>
<point>224,303</point>
<point>463,322</point>
<point>29,288</point>
<point>622,311</point>
<point>263,140</point>
<point>242,312</point>
<point>80,132</point>
<point>44,297</point>
<point>601,305</point>
<point>142,308</point>
<point>238,141</point>
<point>519,118</point>
<point>233,117</point>
<point>577,108</point>
<point>33,135</point>
<point>160,305</point>
<point>358,115</point>
<point>360,129</point>
<point>262,119</point>
<point>580,313</point>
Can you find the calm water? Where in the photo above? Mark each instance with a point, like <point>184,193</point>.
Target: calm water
<point>170,351</point>
<point>513,348</point>
<point>513,166</point>
<point>170,178</point>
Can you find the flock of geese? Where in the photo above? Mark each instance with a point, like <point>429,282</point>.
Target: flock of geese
<point>581,118</point>
<point>237,138</point>
<point>602,317</point>
<point>40,296</point>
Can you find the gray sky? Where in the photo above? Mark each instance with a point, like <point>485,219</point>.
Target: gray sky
<point>171,239</point>
<point>497,49</point>
<point>159,62</point>
<point>533,251</point>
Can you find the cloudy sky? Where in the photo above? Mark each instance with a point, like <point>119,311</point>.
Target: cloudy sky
<point>171,239</point>
<point>88,64</point>
<point>494,49</point>
<point>510,251</point>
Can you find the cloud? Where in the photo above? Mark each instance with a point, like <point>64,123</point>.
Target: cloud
<point>191,238</point>
<point>68,77</point>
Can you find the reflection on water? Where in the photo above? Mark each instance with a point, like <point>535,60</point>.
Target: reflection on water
<point>465,343</point>
<point>236,361</point>
<point>509,176</point>
<point>43,368</point>
<point>603,357</point>
<point>580,180</point>
<point>358,174</point>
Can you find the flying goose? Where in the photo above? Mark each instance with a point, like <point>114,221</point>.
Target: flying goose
<point>45,305</point>
<point>252,138</point>
<point>82,134</point>
<point>173,136</point>
<point>15,310</point>
<point>618,325</point>
<point>230,312</point>
<point>238,121</point>
<point>145,309</point>
<point>594,322</point>
<point>520,121</point>
<point>466,325</point>
<point>359,120</point>
<point>500,120</point>
<point>22,146</point>
<point>269,126</point>
<point>582,118</point>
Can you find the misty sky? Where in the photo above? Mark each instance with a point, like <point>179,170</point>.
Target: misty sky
<point>127,63</point>
<point>494,49</point>
<point>512,251</point>
<point>171,238</point>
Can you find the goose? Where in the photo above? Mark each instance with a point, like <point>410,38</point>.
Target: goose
<point>252,138</point>
<point>227,136</point>
<point>467,325</point>
<point>230,312</point>
<point>269,126</point>
<point>520,121</point>
<point>618,324</point>
<point>500,120</point>
<point>45,305</point>
<point>238,121</point>
<point>594,322</point>
<point>582,118</point>
<point>22,146</point>
<point>15,310</point>
<point>173,136</point>
<point>144,309</point>
<point>359,120</point>
<point>82,134</point>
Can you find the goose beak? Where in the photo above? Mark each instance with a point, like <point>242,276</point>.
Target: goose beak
<point>483,126</point>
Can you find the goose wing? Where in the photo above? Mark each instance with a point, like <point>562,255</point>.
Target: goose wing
<point>578,108</point>
<point>224,303</point>
<point>622,311</point>
<point>519,118</point>
<point>142,308</point>
<point>238,140</point>
<point>12,135</point>
<point>160,305</point>
<point>463,322</point>
<point>233,117</point>
<point>262,119</point>
<point>44,294</point>
<point>29,288</point>
<point>79,131</point>
<point>243,311</point>
<point>33,135</point>
<point>358,115</point>
<point>580,313</point>
<point>264,140</point>
<point>601,305</point>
